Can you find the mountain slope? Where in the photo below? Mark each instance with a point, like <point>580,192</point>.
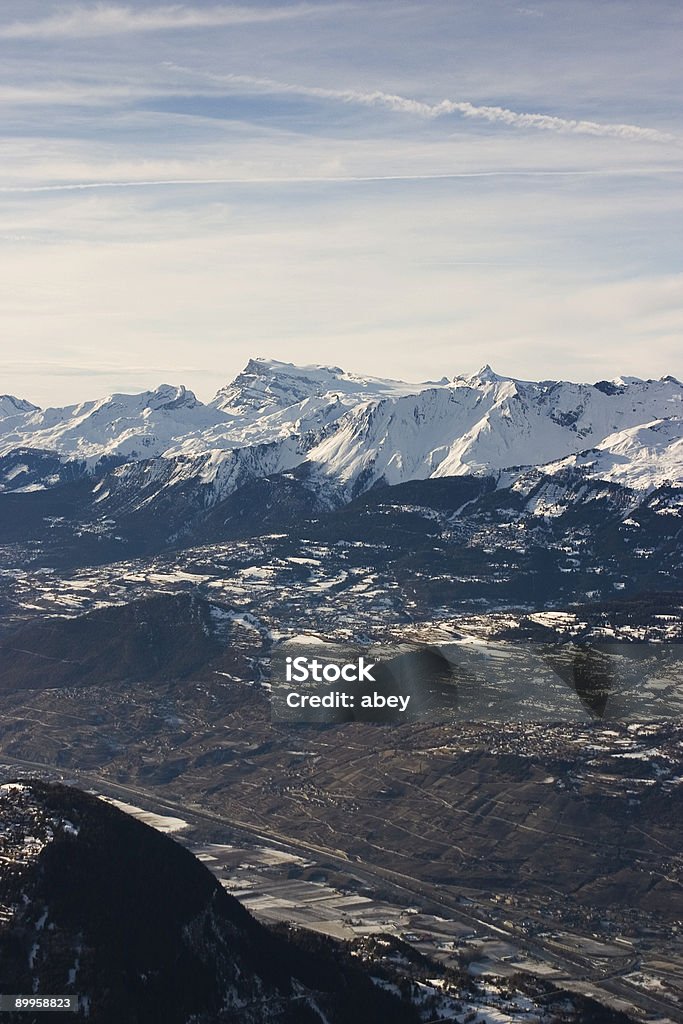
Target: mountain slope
<point>127,426</point>
<point>164,636</point>
<point>483,425</point>
<point>266,402</point>
<point>267,385</point>
<point>149,935</point>
<point>354,428</point>
<point>132,474</point>
<point>645,456</point>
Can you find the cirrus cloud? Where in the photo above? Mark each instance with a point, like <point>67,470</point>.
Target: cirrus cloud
<point>109,19</point>
<point>420,108</point>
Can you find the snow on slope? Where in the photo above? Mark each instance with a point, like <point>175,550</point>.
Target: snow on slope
<point>271,400</point>
<point>220,471</point>
<point>268,401</point>
<point>131,426</point>
<point>267,385</point>
<point>355,431</point>
<point>14,412</point>
<point>484,424</point>
<point>643,457</point>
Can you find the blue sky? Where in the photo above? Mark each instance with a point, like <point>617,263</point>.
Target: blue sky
<point>402,189</point>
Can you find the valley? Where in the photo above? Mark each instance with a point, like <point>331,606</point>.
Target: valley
<point>156,553</point>
<point>485,838</point>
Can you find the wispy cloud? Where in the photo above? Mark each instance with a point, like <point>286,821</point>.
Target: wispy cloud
<point>407,105</point>
<point>92,369</point>
<point>179,282</point>
<point>81,186</point>
<point>109,19</point>
<point>373,176</point>
<point>88,94</point>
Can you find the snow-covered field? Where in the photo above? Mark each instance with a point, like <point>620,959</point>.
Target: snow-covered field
<point>162,822</point>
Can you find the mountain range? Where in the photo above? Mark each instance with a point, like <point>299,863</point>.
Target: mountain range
<point>498,488</point>
<point>351,432</point>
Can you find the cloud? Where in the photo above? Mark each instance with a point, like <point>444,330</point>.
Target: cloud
<point>79,186</point>
<point>407,105</point>
<point>92,369</point>
<point>108,19</point>
<point>547,122</point>
<point>76,95</point>
<point>65,94</point>
<point>402,284</point>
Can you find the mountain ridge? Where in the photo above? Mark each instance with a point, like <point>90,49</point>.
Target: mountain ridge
<point>348,433</point>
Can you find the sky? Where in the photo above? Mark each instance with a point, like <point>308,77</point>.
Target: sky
<point>404,189</point>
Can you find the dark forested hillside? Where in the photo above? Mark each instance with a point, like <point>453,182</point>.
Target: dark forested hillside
<point>97,904</point>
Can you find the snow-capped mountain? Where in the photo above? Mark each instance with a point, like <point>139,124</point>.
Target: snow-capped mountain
<point>268,385</point>
<point>486,424</point>
<point>271,401</point>
<point>645,456</point>
<point>11,407</point>
<point>129,426</point>
<point>14,412</point>
<point>350,432</point>
<point>268,401</point>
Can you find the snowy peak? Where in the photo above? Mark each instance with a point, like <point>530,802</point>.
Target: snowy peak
<point>265,385</point>
<point>486,375</point>
<point>485,426</point>
<point>120,425</point>
<point>11,406</point>
<point>14,413</point>
<point>643,457</point>
<point>271,400</point>
<point>165,397</point>
<point>168,397</point>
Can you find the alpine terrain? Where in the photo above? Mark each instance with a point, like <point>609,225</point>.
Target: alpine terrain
<point>516,858</point>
